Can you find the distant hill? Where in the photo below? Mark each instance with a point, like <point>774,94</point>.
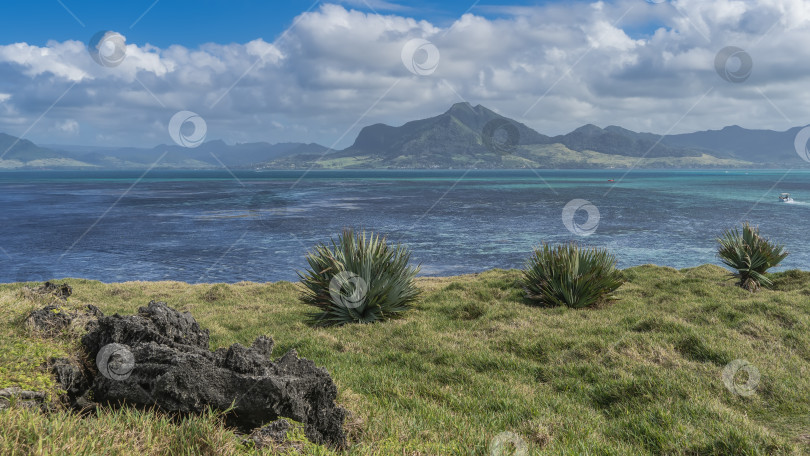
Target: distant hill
<point>207,155</point>
<point>456,132</point>
<point>20,153</point>
<point>464,136</point>
<point>12,148</point>
<point>758,146</point>
<point>210,155</point>
<point>619,141</point>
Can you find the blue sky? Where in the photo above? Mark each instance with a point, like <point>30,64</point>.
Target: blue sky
<point>319,72</point>
<point>194,22</point>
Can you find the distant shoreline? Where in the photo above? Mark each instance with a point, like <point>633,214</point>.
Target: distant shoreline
<point>420,277</point>
<point>302,170</point>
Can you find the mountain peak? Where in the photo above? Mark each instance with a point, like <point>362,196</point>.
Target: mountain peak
<point>589,129</point>
<point>461,107</point>
<point>216,143</point>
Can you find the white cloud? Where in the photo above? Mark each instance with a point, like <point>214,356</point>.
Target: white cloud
<point>55,58</point>
<point>628,62</point>
<point>68,126</point>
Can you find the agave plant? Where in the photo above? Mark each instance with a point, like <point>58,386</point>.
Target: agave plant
<point>751,255</point>
<point>569,275</point>
<point>359,278</point>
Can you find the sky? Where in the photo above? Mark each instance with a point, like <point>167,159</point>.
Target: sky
<point>302,71</point>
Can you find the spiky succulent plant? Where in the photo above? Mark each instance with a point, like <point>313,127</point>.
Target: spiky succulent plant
<point>358,278</point>
<point>750,254</point>
<point>570,275</point>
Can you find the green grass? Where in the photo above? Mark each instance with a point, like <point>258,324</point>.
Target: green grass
<point>641,375</point>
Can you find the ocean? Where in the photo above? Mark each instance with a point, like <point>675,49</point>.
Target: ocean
<point>217,226</point>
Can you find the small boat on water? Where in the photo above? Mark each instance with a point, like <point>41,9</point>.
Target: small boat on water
<point>785,198</point>
<point>611,180</point>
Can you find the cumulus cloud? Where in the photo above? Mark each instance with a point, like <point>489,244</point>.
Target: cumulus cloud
<point>68,126</point>
<point>643,66</point>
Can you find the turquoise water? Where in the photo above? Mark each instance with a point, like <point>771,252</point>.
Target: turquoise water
<point>211,226</point>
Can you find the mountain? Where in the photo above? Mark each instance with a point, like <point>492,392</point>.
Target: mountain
<point>450,139</point>
<point>12,148</point>
<point>209,155</point>
<point>21,153</point>
<point>758,146</point>
<point>212,154</point>
<point>465,136</point>
<point>457,131</point>
<point>619,141</point>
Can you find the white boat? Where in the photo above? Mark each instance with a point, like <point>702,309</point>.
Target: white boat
<point>785,198</point>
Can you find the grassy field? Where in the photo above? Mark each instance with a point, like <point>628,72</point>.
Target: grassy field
<point>472,360</point>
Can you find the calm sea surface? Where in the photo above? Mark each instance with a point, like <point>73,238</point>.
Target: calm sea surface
<point>202,226</point>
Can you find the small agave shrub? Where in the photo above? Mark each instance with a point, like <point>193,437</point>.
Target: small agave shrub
<point>570,275</point>
<point>358,278</point>
<point>750,254</point>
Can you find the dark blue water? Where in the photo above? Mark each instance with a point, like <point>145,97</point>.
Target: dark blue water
<point>203,226</point>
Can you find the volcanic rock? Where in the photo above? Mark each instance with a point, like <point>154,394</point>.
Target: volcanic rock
<point>21,398</point>
<point>160,357</point>
<point>62,291</point>
<point>275,432</point>
<point>53,319</point>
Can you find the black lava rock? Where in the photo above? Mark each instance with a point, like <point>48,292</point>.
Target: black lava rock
<point>275,432</point>
<point>22,398</point>
<point>53,319</point>
<point>61,291</point>
<point>169,365</point>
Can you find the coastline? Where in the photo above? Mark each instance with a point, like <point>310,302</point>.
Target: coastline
<point>553,374</point>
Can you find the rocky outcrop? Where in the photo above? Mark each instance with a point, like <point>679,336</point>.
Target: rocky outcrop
<point>22,398</point>
<point>160,357</point>
<point>75,380</point>
<point>273,433</point>
<point>53,319</point>
<point>61,291</point>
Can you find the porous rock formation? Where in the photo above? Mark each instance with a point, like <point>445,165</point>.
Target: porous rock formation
<point>161,357</point>
<point>23,398</point>
<point>53,319</point>
<point>273,433</point>
<point>61,291</point>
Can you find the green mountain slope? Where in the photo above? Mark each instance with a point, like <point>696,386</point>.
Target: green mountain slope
<point>16,153</point>
<point>476,137</point>
<point>449,138</point>
<point>759,146</point>
<point>464,136</point>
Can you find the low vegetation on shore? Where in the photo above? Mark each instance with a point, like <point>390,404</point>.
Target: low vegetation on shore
<point>648,373</point>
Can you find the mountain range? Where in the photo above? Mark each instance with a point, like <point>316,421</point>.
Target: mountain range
<point>464,136</point>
